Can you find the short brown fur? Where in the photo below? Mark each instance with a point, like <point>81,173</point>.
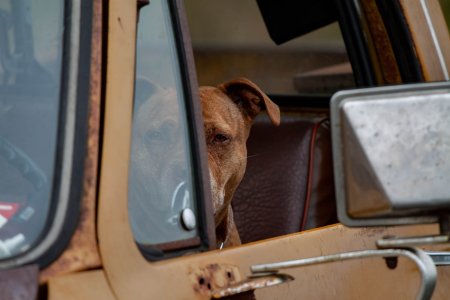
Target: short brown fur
<point>228,112</point>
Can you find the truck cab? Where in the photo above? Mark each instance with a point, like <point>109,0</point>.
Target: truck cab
<point>104,183</point>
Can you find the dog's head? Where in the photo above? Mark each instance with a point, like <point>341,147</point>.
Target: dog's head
<point>228,111</point>
<point>158,175</point>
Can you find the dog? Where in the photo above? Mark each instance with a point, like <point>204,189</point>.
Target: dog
<point>228,113</point>
<point>159,180</point>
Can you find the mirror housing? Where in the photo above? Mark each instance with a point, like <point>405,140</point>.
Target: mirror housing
<point>391,152</point>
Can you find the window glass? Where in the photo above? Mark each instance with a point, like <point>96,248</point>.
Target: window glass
<point>31,33</point>
<point>161,196</point>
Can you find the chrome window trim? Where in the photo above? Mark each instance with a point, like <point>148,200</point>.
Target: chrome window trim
<point>436,43</point>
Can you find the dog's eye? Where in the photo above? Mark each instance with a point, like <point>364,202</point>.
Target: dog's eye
<point>220,138</point>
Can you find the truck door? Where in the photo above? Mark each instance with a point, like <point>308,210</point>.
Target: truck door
<point>155,224</point>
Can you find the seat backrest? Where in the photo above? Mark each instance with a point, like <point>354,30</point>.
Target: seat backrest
<point>288,184</point>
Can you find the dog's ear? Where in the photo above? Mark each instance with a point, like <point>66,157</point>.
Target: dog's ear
<point>250,98</point>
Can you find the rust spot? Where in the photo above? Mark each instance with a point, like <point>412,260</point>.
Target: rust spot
<point>380,42</point>
<point>251,284</point>
<point>213,267</point>
<point>212,277</point>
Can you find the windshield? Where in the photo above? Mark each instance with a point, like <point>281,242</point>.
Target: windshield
<point>31,34</point>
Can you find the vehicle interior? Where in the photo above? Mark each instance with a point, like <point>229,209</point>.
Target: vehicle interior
<point>300,60</point>
<point>288,185</point>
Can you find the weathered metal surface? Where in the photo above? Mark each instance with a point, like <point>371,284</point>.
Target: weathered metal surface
<point>213,277</point>
<point>170,279</point>
<point>380,43</point>
<point>412,241</point>
<point>222,281</point>
<point>87,285</point>
<point>251,284</point>
<point>406,142</point>
<point>82,252</point>
<point>390,147</point>
<point>423,262</point>
<point>19,284</point>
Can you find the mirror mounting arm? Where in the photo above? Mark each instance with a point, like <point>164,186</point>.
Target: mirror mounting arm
<point>423,261</point>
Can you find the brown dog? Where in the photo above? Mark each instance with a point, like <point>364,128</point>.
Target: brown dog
<point>228,112</point>
<point>159,175</point>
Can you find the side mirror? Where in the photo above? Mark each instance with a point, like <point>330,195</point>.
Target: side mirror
<point>391,151</point>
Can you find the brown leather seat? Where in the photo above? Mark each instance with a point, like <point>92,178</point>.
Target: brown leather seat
<point>281,191</point>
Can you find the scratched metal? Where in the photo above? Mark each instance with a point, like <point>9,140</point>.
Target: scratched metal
<point>251,284</point>
<point>404,144</point>
<point>391,148</point>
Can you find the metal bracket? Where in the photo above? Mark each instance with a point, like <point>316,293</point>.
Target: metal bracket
<point>393,242</point>
<point>439,258</point>
<point>424,263</point>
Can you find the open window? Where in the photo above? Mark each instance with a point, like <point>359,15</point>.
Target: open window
<point>299,59</point>
<point>300,53</point>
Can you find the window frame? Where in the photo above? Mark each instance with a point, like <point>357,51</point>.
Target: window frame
<point>401,40</point>
<point>355,43</point>
<point>71,140</point>
<point>205,240</point>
